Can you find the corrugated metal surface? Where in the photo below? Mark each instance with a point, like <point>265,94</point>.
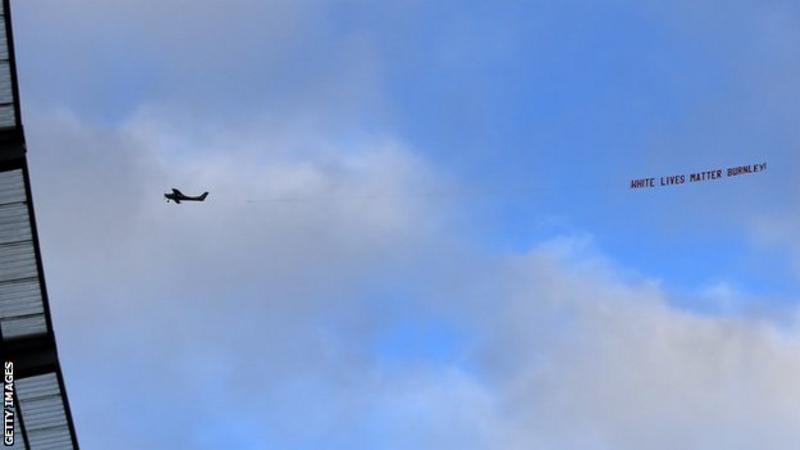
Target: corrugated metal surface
<point>17,261</point>
<point>3,40</point>
<point>21,307</point>
<point>7,117</point>
<point>12,187</point>
<point>43,412</point>
<point>14,223</point>
<point>6,95</point>
<point>19,440</point>
<point>7,113</point>
<point>20,298</point>
<point>15,327</point>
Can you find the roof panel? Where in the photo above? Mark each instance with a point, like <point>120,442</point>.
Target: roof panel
<point>22,297</point>
<point>12,185</point>
<point>21,326</point>
<point>8,117</point>
<point>19,440</point>
<point>17,261</point>
<point>3,40</point>
<point>42,408</point>
<point>21,306</point>
<point>6,94</point>
<point>14,223</point>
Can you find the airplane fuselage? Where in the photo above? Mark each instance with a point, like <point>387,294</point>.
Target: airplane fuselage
<point>178,197</point>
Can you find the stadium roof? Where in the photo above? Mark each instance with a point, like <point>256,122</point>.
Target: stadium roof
<point>42,415</point>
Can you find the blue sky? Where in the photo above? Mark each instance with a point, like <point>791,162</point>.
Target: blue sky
<point>419,232</point>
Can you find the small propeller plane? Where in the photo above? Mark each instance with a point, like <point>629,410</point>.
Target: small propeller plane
<point>178,196</point>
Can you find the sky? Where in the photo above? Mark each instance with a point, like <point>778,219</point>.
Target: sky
<point>420,231</point>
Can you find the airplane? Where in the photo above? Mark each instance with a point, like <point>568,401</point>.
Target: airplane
<point>178,196</point>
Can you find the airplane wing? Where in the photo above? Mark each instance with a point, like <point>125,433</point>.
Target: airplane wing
<point>177,192</point>
<point>176,200</point>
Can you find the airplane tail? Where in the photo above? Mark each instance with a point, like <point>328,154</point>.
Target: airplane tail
<point>203,197</point>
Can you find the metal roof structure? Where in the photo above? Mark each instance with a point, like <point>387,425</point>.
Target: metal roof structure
<point>42,418</point>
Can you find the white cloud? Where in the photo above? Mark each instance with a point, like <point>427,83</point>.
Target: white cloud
<point>584,361</point>
<point>269,308</point>
<point>250,288</point>
<point>256,321</point>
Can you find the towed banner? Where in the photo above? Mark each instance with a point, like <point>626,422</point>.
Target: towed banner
<point>695,177</point>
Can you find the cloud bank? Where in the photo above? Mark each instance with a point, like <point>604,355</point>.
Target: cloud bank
<point>323,298</point>
<point>259,319</point>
